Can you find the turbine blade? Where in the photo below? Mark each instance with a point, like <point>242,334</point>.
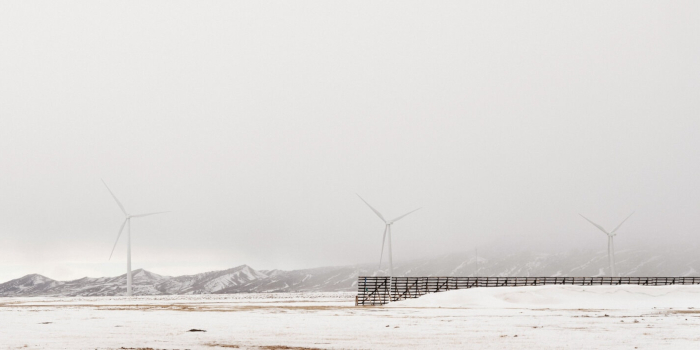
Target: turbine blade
<point>117,241</point>
<point>596,225</point>
<point>374,210</point>
<point>400,217</point>
<point>115,198</point>
<point>382,253</point>
<point>623,221</point>
<point>147,214</point>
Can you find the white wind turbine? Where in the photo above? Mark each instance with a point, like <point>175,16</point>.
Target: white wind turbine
<point>611,244</point>
<point>387,230</point>
<point>129,278</point>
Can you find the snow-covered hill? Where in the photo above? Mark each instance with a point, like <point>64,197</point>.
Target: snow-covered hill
<point>211,282</point>
<point>28,285</point>
<point>244,279</point>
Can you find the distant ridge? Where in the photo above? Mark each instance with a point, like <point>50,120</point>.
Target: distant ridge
<point>244,279</point>
<point>33,284</point>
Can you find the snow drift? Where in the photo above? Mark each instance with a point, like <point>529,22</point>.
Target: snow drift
<point>563,297</point>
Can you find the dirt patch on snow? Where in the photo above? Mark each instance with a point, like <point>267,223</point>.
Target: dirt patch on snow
<point>265,347</point>
<point>284,347</point>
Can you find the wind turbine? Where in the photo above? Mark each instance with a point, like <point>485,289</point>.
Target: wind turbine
<point>611,244</point>
<point>127,220</point>
<point>387,230</point>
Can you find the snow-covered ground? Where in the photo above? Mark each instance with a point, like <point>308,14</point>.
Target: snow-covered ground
<point>564,297</point>
<point>549,317</point>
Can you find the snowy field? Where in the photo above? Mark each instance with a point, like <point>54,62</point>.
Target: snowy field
<point>549,317</point>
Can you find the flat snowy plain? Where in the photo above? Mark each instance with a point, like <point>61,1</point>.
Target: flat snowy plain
<point>549,317</point>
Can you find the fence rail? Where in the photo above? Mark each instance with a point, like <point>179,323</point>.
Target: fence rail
<point>375,290</point>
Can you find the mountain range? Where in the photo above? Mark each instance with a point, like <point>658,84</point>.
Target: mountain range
<point>244,279</point>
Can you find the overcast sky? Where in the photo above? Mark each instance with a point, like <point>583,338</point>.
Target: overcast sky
<point>256,123</point>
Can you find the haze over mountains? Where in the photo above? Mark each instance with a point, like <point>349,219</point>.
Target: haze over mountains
<point>245,279</point>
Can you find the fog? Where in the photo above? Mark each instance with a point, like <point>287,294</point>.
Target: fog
<point>256,123</point>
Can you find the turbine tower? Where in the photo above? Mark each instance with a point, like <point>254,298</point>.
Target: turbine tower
<point>127,220</point>
<point>387,232</point>
<point>611,244</point>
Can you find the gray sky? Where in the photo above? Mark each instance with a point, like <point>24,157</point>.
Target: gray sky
<point>256,123</point>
